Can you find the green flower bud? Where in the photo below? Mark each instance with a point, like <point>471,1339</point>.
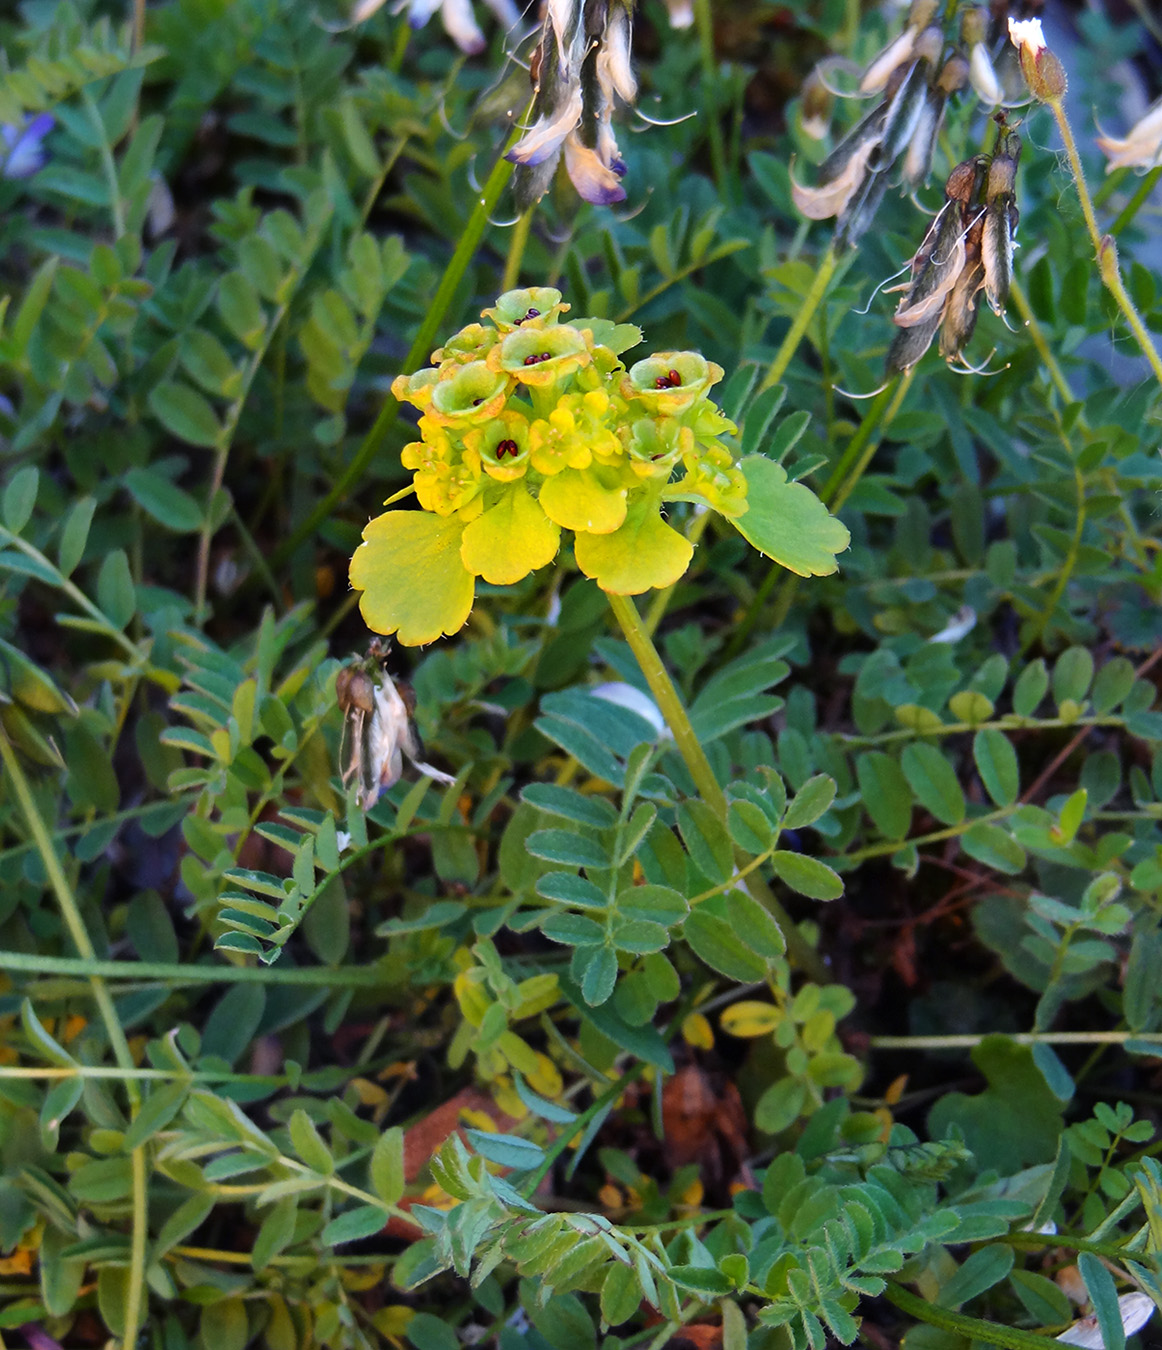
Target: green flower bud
<point>541,356</point>
<point>415,389</point>
<point>655,447</point>
<point>532,307</point>
<point>503,446</point>
<point>471,343</point>
<point>671,382</point>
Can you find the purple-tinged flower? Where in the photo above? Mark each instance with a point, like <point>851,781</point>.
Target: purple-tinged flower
<point>581,67</point>
<point>22,147</point>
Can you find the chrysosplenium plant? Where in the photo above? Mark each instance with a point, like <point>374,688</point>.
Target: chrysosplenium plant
<point>531,426</point>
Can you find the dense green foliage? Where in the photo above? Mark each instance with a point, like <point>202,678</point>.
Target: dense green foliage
<point>824,987</point>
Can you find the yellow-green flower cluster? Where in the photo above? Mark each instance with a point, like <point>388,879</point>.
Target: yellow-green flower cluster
<point>529,425</point>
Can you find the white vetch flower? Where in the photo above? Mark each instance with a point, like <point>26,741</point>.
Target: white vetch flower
<point>631,697</point>
<point>1135,1311</point>
<point>960,625</point>
<point>899,50</point>
<point>681,13</point>
<point>547,135</point>
<point>1140,148</point>
<point>1027,35</point>
<point>456,15</point>
<point>982,76</point>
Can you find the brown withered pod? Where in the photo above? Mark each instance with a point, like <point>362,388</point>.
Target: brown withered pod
<point>967,252</point>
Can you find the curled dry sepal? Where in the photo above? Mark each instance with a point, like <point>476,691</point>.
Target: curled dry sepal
<point>967,252</point>
<point>530,426</point>
<point>378,727</point>
<point>580,65</point>
<point>915,76</point>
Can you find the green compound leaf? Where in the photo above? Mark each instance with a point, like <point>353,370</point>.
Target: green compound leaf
<point>787,522</point>
<point>510,540</point>
<point>413,581</point>
<point>644,553</point>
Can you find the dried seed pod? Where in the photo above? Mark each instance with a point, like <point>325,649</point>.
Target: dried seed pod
<point>1000,225</point>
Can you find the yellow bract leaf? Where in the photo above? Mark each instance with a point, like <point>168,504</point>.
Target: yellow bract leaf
<point>585,499</point>
<point>510,540</point>
<point>697,1031</point>
<point>413,581</point>
<point>751,1018</point>
<point>644,553</point>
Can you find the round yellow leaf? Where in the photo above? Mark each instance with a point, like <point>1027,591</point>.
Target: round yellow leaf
<point>584,499</point>
<point>697,1031</point>
<point>644,553</point>
<point>413,582</point>
<point>510,540</point>
<point>751,1018</point>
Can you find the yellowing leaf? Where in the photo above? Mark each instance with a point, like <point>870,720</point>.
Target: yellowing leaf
<point>592,500</point>
<point>510,540</point>
<point>644,553</point>
<point>787,522</point>
<point>751,1017</point>
<point>413,582</point>
<point>697,1031</point>
<point>547,1080</point>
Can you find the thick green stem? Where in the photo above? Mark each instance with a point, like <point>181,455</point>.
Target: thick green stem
<point>420,349</point>
<point>969,1042</point>
<point>863,444</point>
<point>120,1046</point>
<point>705,21</point>
<point>802,320</point>
<point>709,789</point>
<point>317,977</point>
<point>974,1328</point>
<point>669,702</point>
<point>516,250</point>
<point>566,1137</point>
<point>1104,246</point>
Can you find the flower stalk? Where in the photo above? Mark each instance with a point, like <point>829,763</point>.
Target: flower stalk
<point>710,790</point>
<point>1046,79</point>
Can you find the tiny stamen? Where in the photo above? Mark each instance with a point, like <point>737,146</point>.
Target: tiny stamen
<point>507,448</point>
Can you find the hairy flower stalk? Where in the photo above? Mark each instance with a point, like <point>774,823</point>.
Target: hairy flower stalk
<point>530,426</point>
<point>580,68</point>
